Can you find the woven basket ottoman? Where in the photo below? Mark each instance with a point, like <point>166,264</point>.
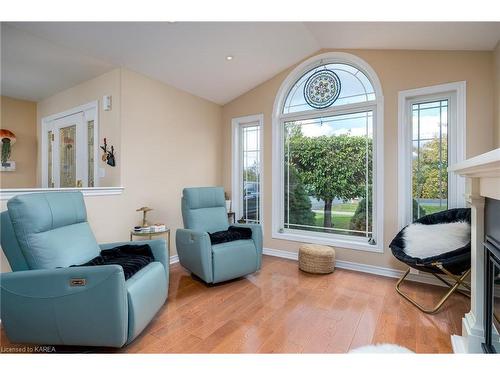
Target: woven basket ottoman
<point>316,258</point>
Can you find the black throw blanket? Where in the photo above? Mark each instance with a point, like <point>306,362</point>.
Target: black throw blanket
<point>232,234</point>
<point>131,258</point>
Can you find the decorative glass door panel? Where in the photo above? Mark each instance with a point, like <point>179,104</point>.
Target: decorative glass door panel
<point>67,156</point>
<point>50,178</point>
<point>69,148</point>
<point>66,152</point>
<point>90,153</point>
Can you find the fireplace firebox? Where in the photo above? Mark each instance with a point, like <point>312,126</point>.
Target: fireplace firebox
<point>492,277</point>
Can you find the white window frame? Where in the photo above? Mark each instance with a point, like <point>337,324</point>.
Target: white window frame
<point>236,183</point>
<point>278,119</point>
<point>90,112</point>
<point>455,93</point>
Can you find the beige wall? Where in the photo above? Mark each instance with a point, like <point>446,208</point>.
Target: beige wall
<point>109,121</point>
<point>496,72</point>
<point>397,70</point>
<point>169,140</point>
<point>19,116</point>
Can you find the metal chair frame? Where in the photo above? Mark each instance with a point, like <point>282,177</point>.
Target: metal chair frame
<point>452,287</point>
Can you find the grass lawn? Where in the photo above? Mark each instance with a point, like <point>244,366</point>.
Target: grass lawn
<point>339,221</point>
<point>432,209</point>
<point>345,207</point>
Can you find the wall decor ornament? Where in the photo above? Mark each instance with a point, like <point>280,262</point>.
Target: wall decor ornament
<point>322,89</point>
<point>109,155</point>
<point>8,139</point>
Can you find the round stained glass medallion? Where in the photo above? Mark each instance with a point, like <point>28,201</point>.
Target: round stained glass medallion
<point>322,89</point>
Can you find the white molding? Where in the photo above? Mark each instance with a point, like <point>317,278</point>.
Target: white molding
<point>236,163</point>
<point>6,194</point>
<point>343,241</point>
<point>81,108</point>
<point>421,277</point>
<point>280,253</point>
<point>455,92</point>
<point>376,106</point>
<point>484,165</point>
<point>458,344</point>
<point>174,259</point>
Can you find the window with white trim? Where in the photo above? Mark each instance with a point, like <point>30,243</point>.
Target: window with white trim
<point>247,168</point>
<point>431,138</point>
<point>327,154</point>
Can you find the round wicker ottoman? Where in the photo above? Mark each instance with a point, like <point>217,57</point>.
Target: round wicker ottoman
<point>316,258</point>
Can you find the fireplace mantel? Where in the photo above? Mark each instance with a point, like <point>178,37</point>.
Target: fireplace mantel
<point>483,181</point>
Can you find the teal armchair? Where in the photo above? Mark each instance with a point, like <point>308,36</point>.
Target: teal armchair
<point>203,212</point>
<point>44,301</point>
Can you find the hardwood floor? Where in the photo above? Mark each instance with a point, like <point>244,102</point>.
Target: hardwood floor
<point>283,310</point>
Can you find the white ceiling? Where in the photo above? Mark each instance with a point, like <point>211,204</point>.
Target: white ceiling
<point>42,58</point>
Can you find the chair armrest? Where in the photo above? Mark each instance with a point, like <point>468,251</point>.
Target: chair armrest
<point>256,237</point>
<point>45,306</point>
<point>195,252</point>
<point>158,248</point>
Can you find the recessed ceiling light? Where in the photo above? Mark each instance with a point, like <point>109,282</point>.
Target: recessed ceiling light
<point>229,58</point>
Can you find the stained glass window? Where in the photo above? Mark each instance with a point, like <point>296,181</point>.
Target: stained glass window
<point>340,84</point>
<point>329,155</point>
<point>67,156</point>
<point>90,148</point>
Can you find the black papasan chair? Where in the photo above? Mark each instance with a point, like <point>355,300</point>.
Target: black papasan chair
<point>454,264</point>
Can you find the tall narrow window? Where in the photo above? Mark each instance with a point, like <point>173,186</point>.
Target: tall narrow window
<point>327,186</point>
<point>431,138</point>
<point>247,168</point>
<point>430,157</point>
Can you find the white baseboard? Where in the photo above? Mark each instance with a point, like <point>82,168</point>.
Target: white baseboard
<point>419,277</point>
<point>458,344</point>
<point>174,259</point>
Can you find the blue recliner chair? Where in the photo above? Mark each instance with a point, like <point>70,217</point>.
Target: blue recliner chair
<point>204,211</point>
<point>44,301</point>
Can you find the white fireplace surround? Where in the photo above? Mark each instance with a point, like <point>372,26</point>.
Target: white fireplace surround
<point>483,181</point>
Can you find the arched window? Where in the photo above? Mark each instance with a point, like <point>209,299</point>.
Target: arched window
<point>329,85</point>
<point>327,154</point>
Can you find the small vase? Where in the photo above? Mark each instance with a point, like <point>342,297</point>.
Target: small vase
<point>228,205</point>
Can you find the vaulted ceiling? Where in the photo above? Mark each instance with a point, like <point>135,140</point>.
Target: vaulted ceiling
<point>42,58</point>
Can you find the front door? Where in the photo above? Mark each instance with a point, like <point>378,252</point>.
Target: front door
<point>65,151</point>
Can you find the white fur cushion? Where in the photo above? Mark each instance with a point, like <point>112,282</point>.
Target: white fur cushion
<point>424,241</point>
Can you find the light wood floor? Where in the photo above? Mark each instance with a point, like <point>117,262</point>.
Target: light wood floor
<point>283,310</point>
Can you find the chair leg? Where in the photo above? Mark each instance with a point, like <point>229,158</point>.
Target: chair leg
<point>451,285</point>
<point>432,310</point>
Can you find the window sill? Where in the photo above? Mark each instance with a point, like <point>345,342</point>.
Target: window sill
<point>6,194</point>
<point>324,240</point>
